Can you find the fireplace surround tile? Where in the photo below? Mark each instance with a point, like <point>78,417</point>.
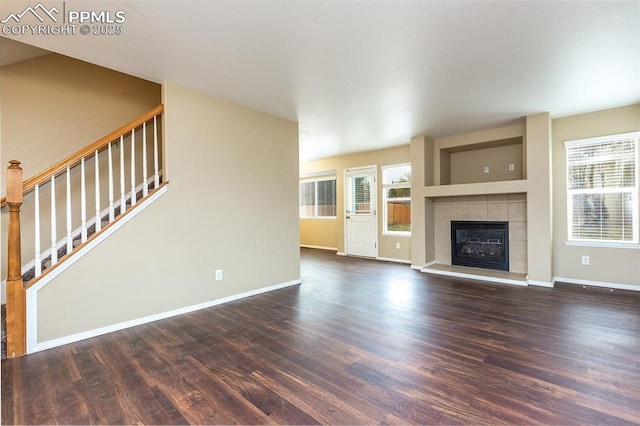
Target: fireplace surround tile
<point>498,198</point>
<point>517,212</point>
<point>518,197</point>
<point>518,265</point>
<point>518,231</point>
<point>478,211</point>
<point>498,207</point>
<point>498,211</point>
<point>518,249</point>
<point>442,212</point>
<point>460,211</point>
<point>473,199</point>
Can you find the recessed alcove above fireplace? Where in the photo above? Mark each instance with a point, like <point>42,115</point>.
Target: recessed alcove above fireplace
<point>480,244</point>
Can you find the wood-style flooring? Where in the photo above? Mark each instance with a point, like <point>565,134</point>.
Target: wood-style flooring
<point>359,342</point>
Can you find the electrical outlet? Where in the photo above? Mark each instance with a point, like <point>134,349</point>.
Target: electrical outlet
<point>512,167</point>
<point>218,274</point>
<point>585,260</point>
<point>397,245</point>
<point>486,169</point>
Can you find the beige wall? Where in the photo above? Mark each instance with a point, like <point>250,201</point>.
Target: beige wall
<point>52,106</point>
<point>223,160</point>
<point>609,265</point>
<point>468,166</point>
<point>386,243</point>
<point>319,233</point>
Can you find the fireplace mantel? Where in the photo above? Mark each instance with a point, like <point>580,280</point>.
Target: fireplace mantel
<point>484,188</point>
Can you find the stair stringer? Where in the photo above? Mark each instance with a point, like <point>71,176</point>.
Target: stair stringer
<point>32,291</point>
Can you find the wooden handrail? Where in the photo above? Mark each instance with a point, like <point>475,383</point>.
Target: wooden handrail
<point>73,159</point>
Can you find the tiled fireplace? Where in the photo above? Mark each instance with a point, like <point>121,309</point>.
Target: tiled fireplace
<point>510,209</point>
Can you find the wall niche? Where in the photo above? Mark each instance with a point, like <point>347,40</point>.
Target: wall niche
<point>491,161</point>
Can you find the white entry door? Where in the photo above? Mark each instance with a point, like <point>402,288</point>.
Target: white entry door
<point>360,217</point>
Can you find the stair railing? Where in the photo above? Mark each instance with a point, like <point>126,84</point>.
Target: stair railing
<point>134,182</point>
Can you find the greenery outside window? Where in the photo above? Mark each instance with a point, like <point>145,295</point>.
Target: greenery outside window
<point>318,197</point>
<point>602,189</point>
<point>396,194</point>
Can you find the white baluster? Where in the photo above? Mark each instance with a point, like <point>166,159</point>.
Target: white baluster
<point>133,167</point>
<point>111,212</point>
<point>69,230</point>
<point>38,265</point>
<point>83,202</point>
<point>54,224</point>
<point>98,219</point>
<point>145,188</point>
<point>123,199</point>
<point>156,176</point>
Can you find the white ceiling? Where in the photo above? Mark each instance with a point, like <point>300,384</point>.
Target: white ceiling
<point>360,75</point>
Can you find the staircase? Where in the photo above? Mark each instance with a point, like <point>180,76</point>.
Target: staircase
<point>70,206</point>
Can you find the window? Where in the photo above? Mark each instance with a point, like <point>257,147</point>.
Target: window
<point>602,189</point>
<point>396,193</point>
<point>318,197</point>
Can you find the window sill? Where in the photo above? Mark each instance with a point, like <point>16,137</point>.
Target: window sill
<point>320,218</point>
<point>397,234</point>
<point>632,246</point>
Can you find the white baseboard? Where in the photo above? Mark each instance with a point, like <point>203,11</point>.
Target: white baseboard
<point>391,259</point>
<point>597,283</point>
<point>340,253</point>
<point>319,247</point>
<point>144,320</point>
<point>541,283</point>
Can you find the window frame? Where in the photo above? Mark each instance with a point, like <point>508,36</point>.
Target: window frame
<point>315,178</point>
<point>633,190</point>
<point>386,186</point>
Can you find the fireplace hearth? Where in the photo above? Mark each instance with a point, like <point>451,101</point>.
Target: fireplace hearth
<point>480,244</point>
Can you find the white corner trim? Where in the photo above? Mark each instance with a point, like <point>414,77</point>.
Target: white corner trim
<point>420,267</point>
<point>542,283</point>
<point>318,247</point>
<point>32,292</point>
<point>597,283</point>
<point>37,347</point>
<point>391,259</point>
<point>474,277</point>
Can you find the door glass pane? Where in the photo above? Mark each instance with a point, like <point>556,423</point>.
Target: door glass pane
<point>361,190</point>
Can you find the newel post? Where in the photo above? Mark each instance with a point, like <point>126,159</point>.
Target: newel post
<point>16,294</point>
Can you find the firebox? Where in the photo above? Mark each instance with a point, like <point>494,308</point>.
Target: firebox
<point>480,244</point>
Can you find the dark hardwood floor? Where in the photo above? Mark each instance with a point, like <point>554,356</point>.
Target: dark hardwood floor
<point>359,342</point>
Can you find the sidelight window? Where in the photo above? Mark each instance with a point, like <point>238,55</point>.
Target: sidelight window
<point>396,193</point>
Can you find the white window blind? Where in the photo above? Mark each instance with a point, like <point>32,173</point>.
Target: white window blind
<point>602,189</point>
<point>318,197</point>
